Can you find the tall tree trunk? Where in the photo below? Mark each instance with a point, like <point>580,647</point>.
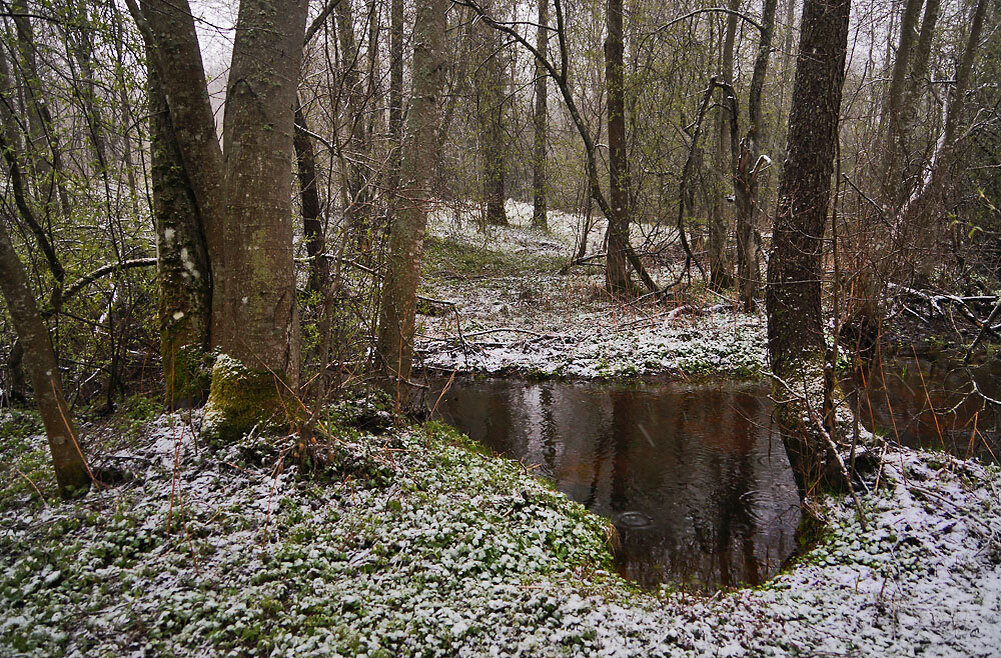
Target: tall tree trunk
<point>187,178</point>
<point>72,476</point>
<point>491,93</point>
<point>309,202</point>
<point>173,51</point>
<point>540,123</point>
<point>410,205</point>
<point>749,168</point>
<point>922,52</point>
<point>795,327</point>
<point>356,212</point>
<point>244,200</point>
<point>893,149</point>
<point>917,83</point>
<point>617,279</point>
<point>183,273</point>
<point>395,91</point>
<point>256,325</point>
<point>720,266</point>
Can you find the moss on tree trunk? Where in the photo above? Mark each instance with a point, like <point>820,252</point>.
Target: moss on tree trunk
<point>240,400</point>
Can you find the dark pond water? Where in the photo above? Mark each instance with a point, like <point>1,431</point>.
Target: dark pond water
<point>698,490</point>
<point>931,404</point>
<point>692,474</point>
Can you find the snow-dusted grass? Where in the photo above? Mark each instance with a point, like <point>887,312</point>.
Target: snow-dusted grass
<point>415,543</point>
<point>507,281</point>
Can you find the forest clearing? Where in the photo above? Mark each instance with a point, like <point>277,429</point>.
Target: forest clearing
<point>500,328</point>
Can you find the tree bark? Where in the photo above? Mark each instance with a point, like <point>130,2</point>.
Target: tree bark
<point>491,91</point>
<point>174,53</point>
<point>720,265</point>
<point>72,476</point>
<point>893,150</point>
<point>309,202</point>
<point>182,267</point>
<point>394,346</point>
<point>540,123</point>
<point>795,328</point>
<point>395,91</point>
<point>256,324</point>
<point>749,168</point>
<point>617,279</point>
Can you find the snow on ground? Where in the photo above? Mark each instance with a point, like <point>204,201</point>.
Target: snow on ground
<point>413,544</point>
<point>519,313</point>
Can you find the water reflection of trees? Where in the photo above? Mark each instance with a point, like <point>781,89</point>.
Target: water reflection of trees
<point>686,473</point>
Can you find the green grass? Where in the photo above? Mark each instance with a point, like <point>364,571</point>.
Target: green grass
<point>445,258</point>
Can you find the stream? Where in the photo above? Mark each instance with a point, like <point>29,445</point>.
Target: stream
<point>691,473</point>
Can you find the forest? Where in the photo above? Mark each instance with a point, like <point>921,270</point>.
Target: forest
<point>500,328</point>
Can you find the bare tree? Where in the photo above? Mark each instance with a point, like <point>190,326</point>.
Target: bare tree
<point>559,72</point>
<point>795,327</point>
<point>750,165</point>
<point>72,475</point>
<point>491,95</point>
<point>720,265</point>
<point>616,269</point>
<point>409,208</point>
<point>541,121</point>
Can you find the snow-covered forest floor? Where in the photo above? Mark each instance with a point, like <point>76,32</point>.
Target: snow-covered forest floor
<point>510,308</point>
<point>413,542</point>
<point>381,540</point>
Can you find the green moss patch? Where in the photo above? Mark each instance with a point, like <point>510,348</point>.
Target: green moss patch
<point>241,399</point>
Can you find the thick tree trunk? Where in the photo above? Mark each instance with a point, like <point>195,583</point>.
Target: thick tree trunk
<point>173,47</point>
<point>256,325</point>
<point>617,279</point>
<point>540,123</point>
<point>183,273</point>
<point>72,475</point>
<point>491,91</point>
<point>244,201</point>
<point>749,168</point>
<point>795,327</point>
<point>410,205</point>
